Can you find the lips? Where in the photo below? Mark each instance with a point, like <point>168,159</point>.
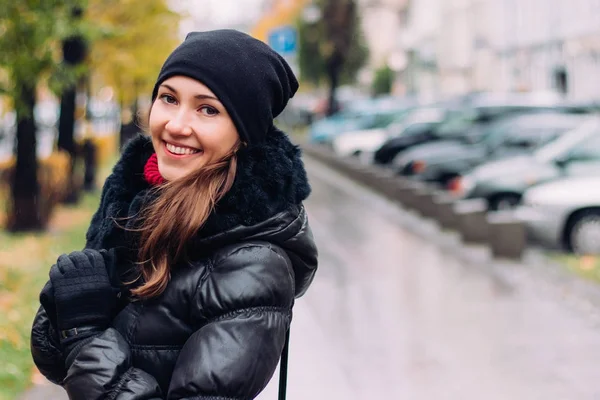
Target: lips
<point>179,150</point>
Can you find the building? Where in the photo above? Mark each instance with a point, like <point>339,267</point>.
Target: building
<point>551,45</point>
<point>419,39</point>
<point>382,23</point>
<point>467,39</point>
<point>504,45</point>
<point>449,46</point>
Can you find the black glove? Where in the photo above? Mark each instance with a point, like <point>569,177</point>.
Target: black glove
<point>83,296</point>
<point>47,301</point>
<point>110,258</point>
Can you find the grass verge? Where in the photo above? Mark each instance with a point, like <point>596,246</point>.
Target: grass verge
<point>588,267</point>
<point>24,263</point>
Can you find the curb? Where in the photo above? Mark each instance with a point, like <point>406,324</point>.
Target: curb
<point>503,235</point>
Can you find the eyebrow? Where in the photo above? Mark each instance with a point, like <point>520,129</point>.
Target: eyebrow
<point>198,96</point>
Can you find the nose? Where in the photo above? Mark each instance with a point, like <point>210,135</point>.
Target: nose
<point>179,125</point>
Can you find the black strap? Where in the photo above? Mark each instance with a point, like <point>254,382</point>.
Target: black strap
<point>283,367</point>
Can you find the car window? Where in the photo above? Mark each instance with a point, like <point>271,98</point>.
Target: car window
<point>532,137</point>
<point>413,119</point>
<point>418,129</point>
<point>383,120</point>
<point>475,123</point>
<point>528,131</point>
<point>493,113</point>
<point>490,133</point>
<point>400,116</point>
<point>525,137</point>
<point>565,144</point>
<point>588,149</point>
<point>455,124</point>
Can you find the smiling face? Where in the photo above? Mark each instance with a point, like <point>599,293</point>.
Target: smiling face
<point>190,127</point>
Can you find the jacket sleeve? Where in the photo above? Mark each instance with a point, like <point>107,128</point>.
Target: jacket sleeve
<point>243,307</point>
<point>102,371</point>
<point>45,348</point>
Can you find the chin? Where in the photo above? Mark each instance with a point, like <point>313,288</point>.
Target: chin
<point>171,173</point>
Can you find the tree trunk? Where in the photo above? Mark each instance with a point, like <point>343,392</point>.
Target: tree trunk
<point>333,76</point>
<point>66,124</point>
<point>88,147</point>
<point>130,128</point>
<point>24,213</point>
<point>90,161</point>
<point>66,139</point>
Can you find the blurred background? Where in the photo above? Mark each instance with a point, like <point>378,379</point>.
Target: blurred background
<point>462,265</point>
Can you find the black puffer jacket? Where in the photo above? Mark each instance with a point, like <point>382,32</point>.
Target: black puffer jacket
<point>218,330</point>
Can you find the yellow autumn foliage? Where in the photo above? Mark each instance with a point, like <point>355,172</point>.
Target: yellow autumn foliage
<point>52,177</point>
<point>138,36</point>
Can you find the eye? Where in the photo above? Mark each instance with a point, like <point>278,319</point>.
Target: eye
<point>209,111</point>
<point>168,99</point>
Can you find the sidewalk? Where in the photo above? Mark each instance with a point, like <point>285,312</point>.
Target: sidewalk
<point>45,391</point>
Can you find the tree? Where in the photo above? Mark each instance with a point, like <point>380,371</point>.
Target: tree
<point>384,80</point>
<point>74,51</point>
<point>31,31</point>
<point>138,35</point>
<point>332,48</point>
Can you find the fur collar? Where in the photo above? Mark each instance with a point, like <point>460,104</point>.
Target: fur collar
<point>270,180</point>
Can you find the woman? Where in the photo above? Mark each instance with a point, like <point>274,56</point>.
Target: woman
<point>200,244</point>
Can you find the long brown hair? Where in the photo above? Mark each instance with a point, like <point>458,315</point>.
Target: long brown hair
<point>178,212</point>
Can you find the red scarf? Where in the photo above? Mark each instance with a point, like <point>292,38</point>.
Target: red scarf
<point>151,173</point>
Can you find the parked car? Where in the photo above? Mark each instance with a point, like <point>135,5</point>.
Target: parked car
<point>419,127</point>
<point>361,114</point>
<point>408,122</point>
<point>365,141</point>
<point>442,161</point>
<point>461,122</point>
<point>564,214</point>
<point>502,182</point>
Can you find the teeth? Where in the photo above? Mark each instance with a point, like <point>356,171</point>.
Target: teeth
<point>181,150</point>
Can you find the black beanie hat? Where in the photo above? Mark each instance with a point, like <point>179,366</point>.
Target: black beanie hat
<point>253,82</point>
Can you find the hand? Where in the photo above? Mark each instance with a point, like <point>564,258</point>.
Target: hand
<point>83,295</point>
<point>110,258</point>
<point>47,301</point>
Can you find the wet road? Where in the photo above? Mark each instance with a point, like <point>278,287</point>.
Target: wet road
<point>394,315</point>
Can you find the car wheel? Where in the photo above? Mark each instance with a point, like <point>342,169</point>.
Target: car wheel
<point>504,202</point>
<point>584,235</point>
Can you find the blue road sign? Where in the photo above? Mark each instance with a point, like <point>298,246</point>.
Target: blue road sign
<point>283,39</point>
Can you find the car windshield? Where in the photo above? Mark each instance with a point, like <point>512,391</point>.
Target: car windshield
<point>418,128</point>
<point>585,134</point>
<point>352,115</point>
<point>455,124</point>
<point>467,124</point>
<point>420,116</point>
<point>473,124</point>
<point>383,120</point>
<point>588,149</point>
<point>529,130</point>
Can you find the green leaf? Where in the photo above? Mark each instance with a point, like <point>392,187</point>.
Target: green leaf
<point>336,35</point>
